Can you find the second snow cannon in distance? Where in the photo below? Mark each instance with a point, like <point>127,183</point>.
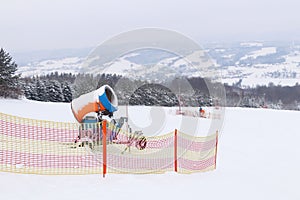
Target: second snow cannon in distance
<point>103,100</point>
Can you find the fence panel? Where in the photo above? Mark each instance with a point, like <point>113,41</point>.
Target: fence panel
<point>55,148</point>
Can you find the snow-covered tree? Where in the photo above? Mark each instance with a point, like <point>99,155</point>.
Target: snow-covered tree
<point>67,92</point>
<point>40,91</point>
<point>28,90</point>
<point>54,91</point>
<point>9,80</point>
<point>84,83</point>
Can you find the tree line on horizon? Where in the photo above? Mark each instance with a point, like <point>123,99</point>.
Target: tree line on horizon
<point>64,87</point>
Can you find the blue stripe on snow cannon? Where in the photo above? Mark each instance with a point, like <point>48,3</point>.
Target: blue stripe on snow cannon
<point>106,103</point>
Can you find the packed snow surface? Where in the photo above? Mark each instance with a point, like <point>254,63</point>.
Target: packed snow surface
<point>258,158</point>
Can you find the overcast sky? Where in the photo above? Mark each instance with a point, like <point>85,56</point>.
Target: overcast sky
<point>54,24</point>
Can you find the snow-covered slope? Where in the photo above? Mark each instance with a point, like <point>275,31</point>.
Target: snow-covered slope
<point>261,52</point>
<point>258,63</point>
<point>65,65</point>
<point>257,159</point>
<point>161,67</point>
<point>151,120</point>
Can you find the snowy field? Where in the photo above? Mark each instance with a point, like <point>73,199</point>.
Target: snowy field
<point>258,158</point>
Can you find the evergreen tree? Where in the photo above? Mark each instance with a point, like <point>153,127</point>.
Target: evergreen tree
<point>28,88</point>
<point>84,83</point>
<point>47,89</point>
<point>34,93</point>
<point>40,91</point>
<point>67,92</point>
<point>9,81</point>
<point>54,91</point>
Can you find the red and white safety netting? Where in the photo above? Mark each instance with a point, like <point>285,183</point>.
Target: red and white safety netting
<point>46,147</point>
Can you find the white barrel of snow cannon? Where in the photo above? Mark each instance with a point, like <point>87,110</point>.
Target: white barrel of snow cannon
<point>102,99</point>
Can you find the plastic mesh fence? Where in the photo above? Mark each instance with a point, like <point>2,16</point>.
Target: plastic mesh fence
<point>54,148</point>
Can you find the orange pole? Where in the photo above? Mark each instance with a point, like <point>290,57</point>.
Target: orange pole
<point>217,136</point>
<point>104,146</point>
<point>127,118</point>
<point>175,151</point>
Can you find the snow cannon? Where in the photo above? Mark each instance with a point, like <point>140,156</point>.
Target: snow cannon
<point>103,100</point>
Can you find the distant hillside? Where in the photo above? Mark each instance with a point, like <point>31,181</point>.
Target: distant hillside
<point>250,63</point>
